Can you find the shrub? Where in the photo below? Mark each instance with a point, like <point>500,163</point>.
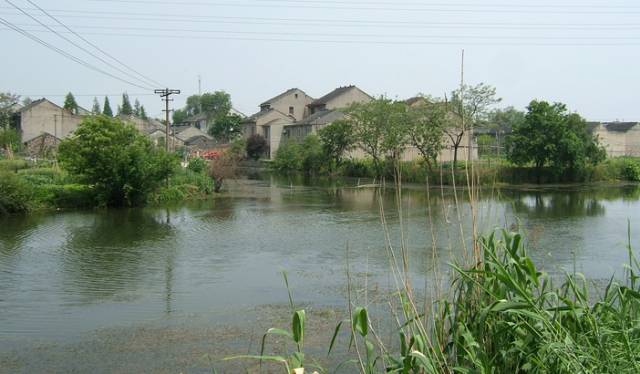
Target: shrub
<point>256,146</point>
<point>197,165</point>
<point>288,158</point>
<point>119,162</point>
<point>13,165</point>
<point>67,196</point>
<point>15,194</point>
<point>631,170</point>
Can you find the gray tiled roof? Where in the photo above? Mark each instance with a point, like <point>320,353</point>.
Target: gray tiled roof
<point>278,97</point>
<point>322,117</point>
<point>332,95</point>
<point>620,126</point>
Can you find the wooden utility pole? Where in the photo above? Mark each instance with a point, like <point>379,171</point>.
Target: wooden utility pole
<point>165,94</point>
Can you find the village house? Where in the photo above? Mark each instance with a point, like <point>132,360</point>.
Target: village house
<point>618,138</point>
<point>47,122</point>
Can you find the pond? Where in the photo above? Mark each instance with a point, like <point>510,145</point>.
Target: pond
<point>156,289</point>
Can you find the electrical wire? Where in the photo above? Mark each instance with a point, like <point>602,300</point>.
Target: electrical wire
<point>95,46</point>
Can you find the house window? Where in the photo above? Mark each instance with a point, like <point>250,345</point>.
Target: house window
<point>296,96</point>
<point>291,110</point>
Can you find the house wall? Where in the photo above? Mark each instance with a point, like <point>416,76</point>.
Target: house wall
<point>275,136</point>
<point>633,142</point>
<point>50,118</point>
<point>354,95</point>
<point>42,146</point>
<point>299,104</point>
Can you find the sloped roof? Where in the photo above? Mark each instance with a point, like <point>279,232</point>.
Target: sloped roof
<point>36,103</point>
<point>187,132</point>
<point>333,94</point>
<point>261,113</point>
<point>285,93</point>
<point>592,126</point>
<point>42,134</point>
<point>620,126</point>
<point>322,117</point>
<point>413,100</point>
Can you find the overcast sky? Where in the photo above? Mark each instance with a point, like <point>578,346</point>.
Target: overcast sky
<point>584,54</point>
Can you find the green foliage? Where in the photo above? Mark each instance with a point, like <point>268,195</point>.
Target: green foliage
<point>70,103</point>
<point>7,108</point>
<point>197,165</point>
<point>226,127</point>
<point>550,135</point>
<point>337,139</point>
<point>126,108</point>
<point>95,109</point>
<point>504,120</point>
<point>427,125</point>
<point>9,140</point>
<point>307,157</point>
<point>106,108</point>
<point>13,165</point>
<point>66,195</point>
<point>623,168</point>
<point>179,116</point>
<point>121,164</point>
<point>238,147</point>
<point>215,105</point>
<point>15,194</point>
<point>256,146</point>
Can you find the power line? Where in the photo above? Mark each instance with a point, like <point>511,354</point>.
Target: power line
<point>199,18</point>
<point>76,44</point>
<point>66,54</point>
<point>349,6</point>
<point>374,42</point>
<point>367,35</point>
<point>149,80</point>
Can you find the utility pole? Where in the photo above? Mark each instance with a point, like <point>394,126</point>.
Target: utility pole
<point>199,85</point>
<point>165,94</point>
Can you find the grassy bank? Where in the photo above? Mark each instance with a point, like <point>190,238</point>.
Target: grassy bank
<point>487,172</point>
<point>29,186</point>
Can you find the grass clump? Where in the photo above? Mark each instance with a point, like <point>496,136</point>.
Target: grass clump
<point>15,194</point>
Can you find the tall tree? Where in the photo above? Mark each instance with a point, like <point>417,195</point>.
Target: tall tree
<point>179,116</point>
<point>427,124</point>
<point>106,108</point>
<point>95,109</point>
<point>550,135</point>
<point>337,139</point>
<point>226,128</point>
<point>136,108</point>
<point>379,127</point>
<point>215,105</point>
<point>143,112</point>
<point>70,103</point>
<point>470,105</point>
<point>126,108</point>
<point>7,108</point>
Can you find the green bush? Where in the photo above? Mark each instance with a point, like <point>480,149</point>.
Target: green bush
<point>119,162</point>
<point>15,194</point>
<point>66,196</point>
<point>13,165</point>
<point>289,158</point>
<point>197,165</point>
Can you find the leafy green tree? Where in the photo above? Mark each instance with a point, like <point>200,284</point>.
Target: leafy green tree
<point>136,108</point>
<point>95,109</point>
<point>126,108</point>
<point>470,105</point>
<point>192,106</point>
<point>550,135</point>
<point>226,128</point>
<point>121,163</point>
<point>179,116</point>
<point>380,129</point>
<point>215,105</point>
<point>337,139</point>
<point>427,125</point>
<point>256,146</point>
<point>313,156</point>
<point>106,108</point>
<point>143,112</point>
<point>288,157</point>
<point>7,108</point>
<point>70,103</point>
<point>9,141</point>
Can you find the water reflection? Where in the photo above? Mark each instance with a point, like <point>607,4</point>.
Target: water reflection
<point>558,204</point>
<point>114,250</point>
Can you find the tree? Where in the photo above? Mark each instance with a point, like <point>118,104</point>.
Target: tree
<point>226,128</point>
<point>70,103</point>
<point>223,167</point>
<point>106,108</point>
<point>427,125</point>
<point>179,116</point>
<point>95,109</point>
<point>469,104</point>
<point>256,146</point>
<point>550,135</point>
<point>126,108</point>
<point>7,108</point>
<point>9,140</point>
<point>288,157</point>
<point>120,163</point>
<point>192,106</point>
<point>337,139</point>
<point>502,121</point>
<point>215,105</point>
<point>380,129</point>
<point>136,108</point>
<point>143,112</point>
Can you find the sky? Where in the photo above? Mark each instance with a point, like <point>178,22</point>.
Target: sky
<point>582,53</point>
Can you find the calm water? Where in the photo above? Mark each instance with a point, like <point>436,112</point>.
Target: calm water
<point>65,275</point>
